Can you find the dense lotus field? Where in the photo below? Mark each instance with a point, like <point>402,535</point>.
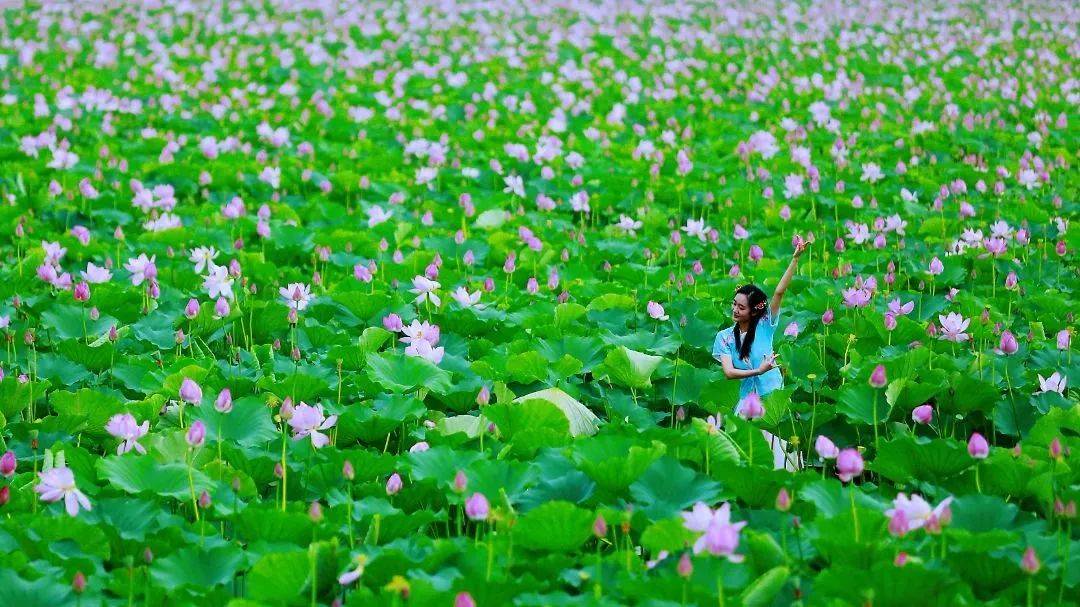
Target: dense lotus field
<point>414,303</point>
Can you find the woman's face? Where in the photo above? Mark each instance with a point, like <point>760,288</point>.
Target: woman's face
<point>740,308</point>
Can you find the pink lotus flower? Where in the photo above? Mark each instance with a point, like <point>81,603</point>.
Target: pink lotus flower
<point>1008,343</point>
<point>849,464</point>
<point>751,408</point>
<point>125,427</point>
<point>8,463</point>
<point>196,434</point>
<point>190,391</point>
<point>856,298</point>
<point>953,327</point>
<point>917,513</point>
<point>792,330</point>
<point>922,414</point>
<point>898,309</point>
<point>1054,383</point>
<point>1063,339</point>
<point>827,317</point>
<point>59,483</point>
<point>296,295</point>
<point>878,378</point>
<point>223,402</point>
<point>825,448</point>
<point>477,507</point>
<point>936,267</point>
<point>464,599</point>
<point>719,535</point>
<point>393,484</point>
<point>1030,561</point>
<point>977,446</point>
<point>656,311</point>
<point>309,421</point>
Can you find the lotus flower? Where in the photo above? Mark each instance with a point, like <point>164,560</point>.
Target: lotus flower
<point>125,427</point>
<point>1054,383</point>
<point>310,421</point>
<point>719,535</point>
<point>296,295</point>
<point>953,326</point>
<point>59,483</point>
<point>825,448</point>
<point>656,311</point>
<point>477,507</point>
<point>849,464</point>
<point>918,513</point>
<point>978,448</point>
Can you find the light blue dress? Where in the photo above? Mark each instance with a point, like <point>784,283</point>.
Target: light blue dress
<point>724,344</point>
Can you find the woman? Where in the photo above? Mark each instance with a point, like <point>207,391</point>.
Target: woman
<point>746,348</point>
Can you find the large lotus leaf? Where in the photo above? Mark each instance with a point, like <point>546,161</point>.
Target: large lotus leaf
<point>527,367</point>
<point>530,424</point>
<point>630,368</point>
<point>278,577</point>
<point>583,422</point>
<point>668,487</point>
<point>904,458</point>
<point>554,526</point>
<point>198,568</point>
<point>830,497</point>
<point>42,592</point>
<point>272,525</point>
<point>401,373</point>
<point>858,402</point>
<point>616,462</point>
<point>249,422</point>
<point>440,463</point>
<point>141,474</point>
<point>891,586</point>
<point>669,534</point>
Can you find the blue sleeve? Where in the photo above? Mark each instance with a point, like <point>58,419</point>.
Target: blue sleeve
<point>723,344</point>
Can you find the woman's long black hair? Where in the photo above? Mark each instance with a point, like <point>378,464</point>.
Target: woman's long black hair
<point>758,303</point>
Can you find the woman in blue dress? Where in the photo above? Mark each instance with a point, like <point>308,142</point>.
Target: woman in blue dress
<point>745,349</point>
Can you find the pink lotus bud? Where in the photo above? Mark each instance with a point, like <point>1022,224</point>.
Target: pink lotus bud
<point>190,391</point>
<point>223,402</point>
<point>901,559</point>
<point>825,448</point>
<point>221,307</point>
<point>477,507</point>
<point>599,526</point>
<point>78,583</point>
<point>393,484</point>
<point>756,253</point>
<point>1011,280</point>
<point>196,434</point>
<point>347,470</point>
<point>204,500</point>
<point>315,512</point>
<point>936,267</point>
<point>1063,339</point>
<point>978,448</point>
<point>922,414</point>
<point>191,310</point>
<point>5,495</point>
<point>849,464</point>
<point>751,407</point>
<point>81,292</point>
<point>179,338</point>
<point>827,317</point>
<point>1030,562</point>
<point>113,335</point>
<point>464,599</point>
<point>1055,448</point>
<point>890,321</point>
<point>1008,343</point>
<point>685,568</point>
<point>877,378</point>
<point>783,500</point>
<point>8,463</point>
<point>392,322</point>
<point>484,396</point>
<point>1060,248</point>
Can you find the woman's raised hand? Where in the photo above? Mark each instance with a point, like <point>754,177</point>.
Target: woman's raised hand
<point>768,363</point>
<point>800,246</point>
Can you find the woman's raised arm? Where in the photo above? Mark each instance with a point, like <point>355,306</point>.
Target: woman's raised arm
<point>785,280</point>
